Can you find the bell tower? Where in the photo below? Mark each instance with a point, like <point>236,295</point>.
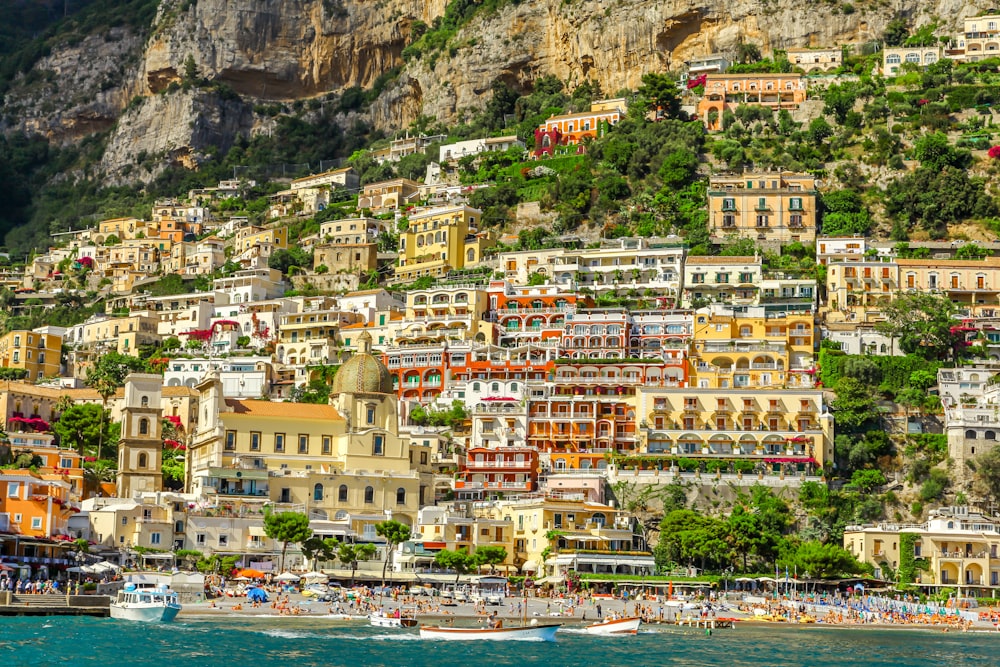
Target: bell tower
<point>139,450</point>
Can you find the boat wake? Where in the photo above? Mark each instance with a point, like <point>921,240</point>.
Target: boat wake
<point>291,634</point>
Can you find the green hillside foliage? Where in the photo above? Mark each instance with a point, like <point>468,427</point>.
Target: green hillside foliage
<point>30,30</point>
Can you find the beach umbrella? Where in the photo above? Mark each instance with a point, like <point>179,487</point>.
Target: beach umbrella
<point>310,576</point>
<point>251,573</point>
<point>287,576</point>
<point>256,595</point>
<point>241,579</point>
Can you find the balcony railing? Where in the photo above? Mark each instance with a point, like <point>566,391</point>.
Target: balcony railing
<point>476,465</point>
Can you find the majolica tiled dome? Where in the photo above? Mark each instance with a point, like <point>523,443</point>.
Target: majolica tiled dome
<point>363,373</point>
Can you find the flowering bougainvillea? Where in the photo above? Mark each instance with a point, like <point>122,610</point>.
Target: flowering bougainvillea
<point>994,152</point>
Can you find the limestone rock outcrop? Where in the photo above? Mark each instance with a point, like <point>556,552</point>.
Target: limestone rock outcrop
<point>128,84</point>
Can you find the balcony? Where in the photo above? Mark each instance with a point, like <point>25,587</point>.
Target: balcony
<point>510,465</point>
<point>493,486</point>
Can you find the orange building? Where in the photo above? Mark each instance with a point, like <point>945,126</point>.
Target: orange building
<point>572,129</point>
<point>64,462</point>
<point>725,92</point>
<point>33,504</point>
<point>505,469</point>
<point>579,423</point>
<point>526,314</point>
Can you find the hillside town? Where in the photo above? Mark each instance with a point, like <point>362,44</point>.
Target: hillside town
<point>384,359</point>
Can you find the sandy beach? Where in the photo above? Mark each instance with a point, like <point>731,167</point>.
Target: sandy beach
<point>430,610</point>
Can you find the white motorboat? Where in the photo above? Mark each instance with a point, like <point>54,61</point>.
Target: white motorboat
<point>382,620</point>
<point>546,633</point>
<point>151,605</point>
<point>619,626</point>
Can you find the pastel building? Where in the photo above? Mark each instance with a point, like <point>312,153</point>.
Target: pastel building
<point>725,92</point>
<point>573,129</point>
<point>773,208</point>
<point>439,240</point>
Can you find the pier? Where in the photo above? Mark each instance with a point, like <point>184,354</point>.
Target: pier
<point>706,623</point>
<point>54,605</point>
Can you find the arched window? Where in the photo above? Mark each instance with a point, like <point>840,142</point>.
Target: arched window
<point>400,496</point>
<point>318,492</point>
<point>471,255</point>
<point>970,435</point>
<point>892,59</point>
<point>342,493</point>
<point>143,460</point>
<point>369,494</point>
<point>144,402</point>
<point>143,426</point>
<point>990,435</point>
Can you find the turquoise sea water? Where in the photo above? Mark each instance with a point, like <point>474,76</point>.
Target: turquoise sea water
<point>304,642</point>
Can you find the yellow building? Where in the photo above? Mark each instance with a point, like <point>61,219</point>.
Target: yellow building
<point>729,280</point>
<point>122,334</point>
<point>313,337</point>
<point>573,534</point>
<point>123,228</point>
<point>439,529</point>
<point>248,237</point>
<point>779,207</point>
<point>440,240</point>
<point>344,461</point>
<point>761,425</point>
<point>751,349</point>
<point>959,548</point>
<point>444,313</point>
<point>149,522</point>
<point>388,195</point>
<point>857,291</point>
<point>39,354</point>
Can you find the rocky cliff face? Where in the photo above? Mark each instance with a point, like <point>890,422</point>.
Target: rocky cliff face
<point>615,42</point>
<point>291,49</point>
<point>78,89</point>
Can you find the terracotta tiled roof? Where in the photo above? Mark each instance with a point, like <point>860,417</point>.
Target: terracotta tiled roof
<point>988,263</point>
<point>289,410</point>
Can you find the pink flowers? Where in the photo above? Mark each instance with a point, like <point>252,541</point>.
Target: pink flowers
<point>35,423</point>
<point>994,152</point>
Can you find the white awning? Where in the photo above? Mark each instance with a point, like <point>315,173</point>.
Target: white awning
<point>530,566</point>
<point>256,531</point>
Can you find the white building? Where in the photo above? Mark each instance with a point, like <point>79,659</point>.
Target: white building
<point>242,377</point>
<point>460,149</point>
<point>894,57</point>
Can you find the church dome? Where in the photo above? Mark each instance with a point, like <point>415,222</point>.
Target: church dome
<point>363,373</point>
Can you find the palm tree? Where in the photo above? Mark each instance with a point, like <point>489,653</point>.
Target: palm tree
<point>106,387</point>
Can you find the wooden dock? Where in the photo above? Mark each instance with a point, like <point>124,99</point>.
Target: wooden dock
<point>707,623</point>
<point>54,605</point>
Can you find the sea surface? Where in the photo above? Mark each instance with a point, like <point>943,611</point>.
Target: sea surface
<point>314,642</point>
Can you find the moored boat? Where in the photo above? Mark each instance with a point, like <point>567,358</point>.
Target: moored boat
<point>151,605</point>
<point>382,620</point>
<point>619,626</point>
<point>545,633</point>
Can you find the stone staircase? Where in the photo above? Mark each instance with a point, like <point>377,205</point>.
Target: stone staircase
<point>46,600</point>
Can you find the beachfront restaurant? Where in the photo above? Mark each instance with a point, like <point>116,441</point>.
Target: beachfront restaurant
<point>34,557</point>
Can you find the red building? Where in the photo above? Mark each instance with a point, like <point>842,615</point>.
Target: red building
<point>506,469</point>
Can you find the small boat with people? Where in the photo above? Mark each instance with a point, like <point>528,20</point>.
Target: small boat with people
<point>536,632</point>
<point>396,619</point>
<point>494,631</point>
<point>615,626</point>
<point>156,604</point>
